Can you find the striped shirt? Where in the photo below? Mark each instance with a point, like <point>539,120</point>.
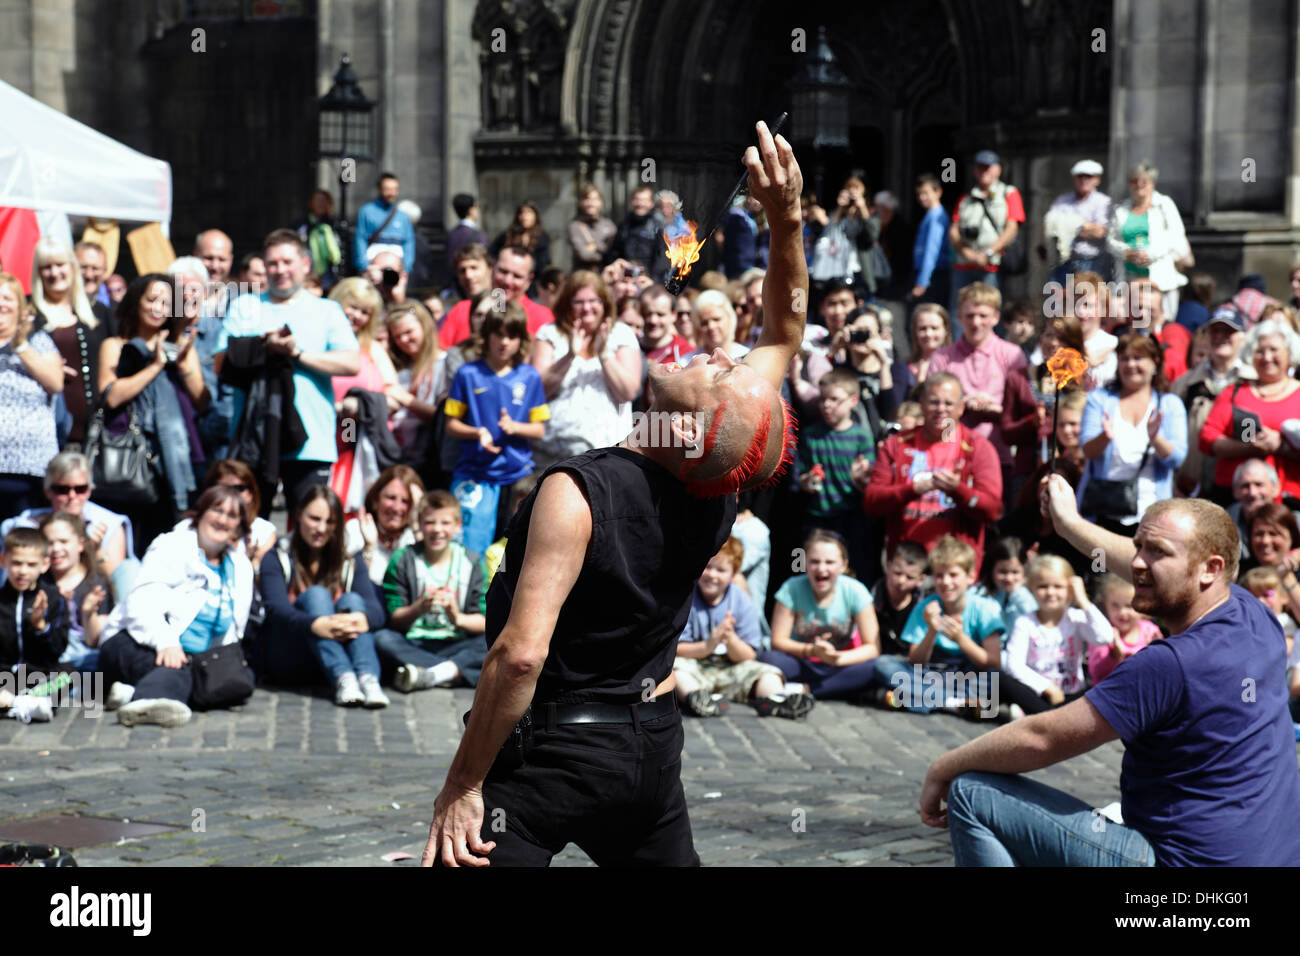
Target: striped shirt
<point>835,451</point>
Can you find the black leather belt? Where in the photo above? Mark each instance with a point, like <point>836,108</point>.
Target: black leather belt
<point>591,713</point>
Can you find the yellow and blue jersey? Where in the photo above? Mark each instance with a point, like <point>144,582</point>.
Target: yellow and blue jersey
<point>477,396</point>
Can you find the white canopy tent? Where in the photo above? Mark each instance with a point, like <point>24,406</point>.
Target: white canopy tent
<point>51,163</point>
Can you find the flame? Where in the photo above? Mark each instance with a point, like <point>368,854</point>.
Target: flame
<point>683,250</point>
<point>1066,366</point>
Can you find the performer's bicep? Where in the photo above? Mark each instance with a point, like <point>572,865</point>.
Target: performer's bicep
<point>559,531</point>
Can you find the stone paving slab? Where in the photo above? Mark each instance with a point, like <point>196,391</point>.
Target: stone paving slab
<point>289,779</point>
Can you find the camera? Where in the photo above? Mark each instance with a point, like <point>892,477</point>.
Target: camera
<point>390,278</point>
<point>969,234</point>
<point>633,272</point>
<point>859,336</point>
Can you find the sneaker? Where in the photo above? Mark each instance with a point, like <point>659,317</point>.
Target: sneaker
<point>347,692</point>
<point>162,711</point>
<point>119,695</point>
<point>410,677</point>
<point>6,698</point>
<point>794,707</point>
<point>701,704</point>
<point>373,693</point>
<point>1016,712</point>
<point>881,697</point>
<point>27,708</point>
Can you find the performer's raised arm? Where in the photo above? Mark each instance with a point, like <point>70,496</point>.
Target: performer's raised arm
<point>776,182</point>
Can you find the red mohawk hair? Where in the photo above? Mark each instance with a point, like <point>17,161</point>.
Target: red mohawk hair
<point>746,473</point>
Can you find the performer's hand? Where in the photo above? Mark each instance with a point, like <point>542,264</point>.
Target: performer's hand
<point>774,177</point>
<point>1056,498</point>
<point>934,793</point>
<point>454,835</point>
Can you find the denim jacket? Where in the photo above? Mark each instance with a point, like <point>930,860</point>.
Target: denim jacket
<point>1173,428</point>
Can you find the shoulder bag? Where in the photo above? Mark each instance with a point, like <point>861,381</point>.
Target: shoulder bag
<point>1108,498</point>
<point>221,676</point>
<point>122,467</point>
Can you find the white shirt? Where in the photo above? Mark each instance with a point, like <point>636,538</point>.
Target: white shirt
<point>1128,445</point>
<point>583,415</point>
<point>1039,655</point>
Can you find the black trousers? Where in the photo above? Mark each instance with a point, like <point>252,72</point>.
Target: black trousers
<point>613,789</point>
<point>122,659</point>
<point>1015,692</point>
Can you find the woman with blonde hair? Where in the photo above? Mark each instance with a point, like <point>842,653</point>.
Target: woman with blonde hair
<point>715,325</point>
<point>64,312</point>
<point>421,376</point>
<point>362,305</point>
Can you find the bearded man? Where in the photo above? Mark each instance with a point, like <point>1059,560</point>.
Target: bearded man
<point>1209,774</point>
<point>584,613</point>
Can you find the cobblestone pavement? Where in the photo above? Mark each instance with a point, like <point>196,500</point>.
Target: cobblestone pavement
<point>291,779</point>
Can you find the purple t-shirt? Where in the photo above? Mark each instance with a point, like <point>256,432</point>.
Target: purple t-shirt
<point>1209,774</point>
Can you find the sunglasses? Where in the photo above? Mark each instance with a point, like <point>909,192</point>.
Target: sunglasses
<point>70,489</point>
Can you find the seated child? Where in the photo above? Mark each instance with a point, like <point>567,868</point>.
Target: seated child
<point>434,595</point>
<point>954,629</point>
<point>1266,584</point>
<point>1046,650</point>
<point>908,416</point>
<point>1004,580</point>
<point>74,571</point>
<point>1132,631</point>
<point>824,631</point>
<point>33,627</point>
<point>717,652</point>
<point>896,594</point>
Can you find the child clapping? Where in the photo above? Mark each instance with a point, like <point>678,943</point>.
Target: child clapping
<point>1046,651</point>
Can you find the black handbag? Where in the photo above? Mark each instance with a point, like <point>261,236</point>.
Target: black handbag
<point>1108,498</point>
<point>221,677</point>
<point>122,467</point>
<point>1241,430</point>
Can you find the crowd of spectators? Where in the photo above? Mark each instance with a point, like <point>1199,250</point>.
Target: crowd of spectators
<point>147,432</point>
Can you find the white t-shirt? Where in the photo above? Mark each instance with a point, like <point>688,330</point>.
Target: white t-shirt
<point>583,415</point>
<point>1126,450</point>
<point>1097,345</point>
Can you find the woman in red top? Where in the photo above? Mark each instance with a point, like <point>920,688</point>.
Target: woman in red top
<point>1246,419</point>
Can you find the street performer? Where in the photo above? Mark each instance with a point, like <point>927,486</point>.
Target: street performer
<point>574,736</point>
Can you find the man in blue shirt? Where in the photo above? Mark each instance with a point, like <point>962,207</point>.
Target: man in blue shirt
<point>318,337</point>
<point>1209,772</point>
<point>931,258</point>
<point>380,224</point>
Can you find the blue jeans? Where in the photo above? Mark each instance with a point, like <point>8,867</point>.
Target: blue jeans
<point>890,665</point>
<point>1003,820</point>
<point>825,681</point>
<point>337,658</point>
<point>467,653</point>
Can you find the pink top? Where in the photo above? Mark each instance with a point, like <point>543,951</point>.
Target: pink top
<point>1100,663</point>
<point>370,378</point>
<point>982,369</point>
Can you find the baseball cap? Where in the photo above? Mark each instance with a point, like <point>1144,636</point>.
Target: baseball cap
<point>1227,315</point>
<point>1086,167</point>
<point>986,157</point>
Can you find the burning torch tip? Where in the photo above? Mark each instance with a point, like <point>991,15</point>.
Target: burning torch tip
<point>674,284</point>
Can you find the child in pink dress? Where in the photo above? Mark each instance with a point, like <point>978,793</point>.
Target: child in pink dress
<point>1132,631</point>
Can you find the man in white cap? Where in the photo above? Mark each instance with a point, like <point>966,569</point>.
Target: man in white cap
<point>1075,225</point>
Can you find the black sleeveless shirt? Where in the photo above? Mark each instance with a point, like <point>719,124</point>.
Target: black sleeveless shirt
<point>650,542</point>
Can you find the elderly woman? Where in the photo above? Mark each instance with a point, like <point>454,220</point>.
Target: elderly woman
<point>1134,433</point>
<point>1146,233</point>
<point>193,593</point>
<point>1247,417</point>
<point>591,370</point>
<point>364,308</point>
<point>64,312</point>
<point>31,373</point>
<point>387,522</point>
<point>153,371</point>
<point>262,534</point>
<point>590,233</point>
<point>715,325</point>
<point>1198,389</point>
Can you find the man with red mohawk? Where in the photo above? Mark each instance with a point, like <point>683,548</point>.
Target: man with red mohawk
<point>575,735</point>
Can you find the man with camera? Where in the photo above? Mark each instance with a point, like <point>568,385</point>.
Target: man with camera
<point>986,221</point>
<point>387,275</point>
<point>511,274</point>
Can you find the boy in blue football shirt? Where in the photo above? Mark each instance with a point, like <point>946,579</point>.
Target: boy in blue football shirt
<point>496,407</point>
